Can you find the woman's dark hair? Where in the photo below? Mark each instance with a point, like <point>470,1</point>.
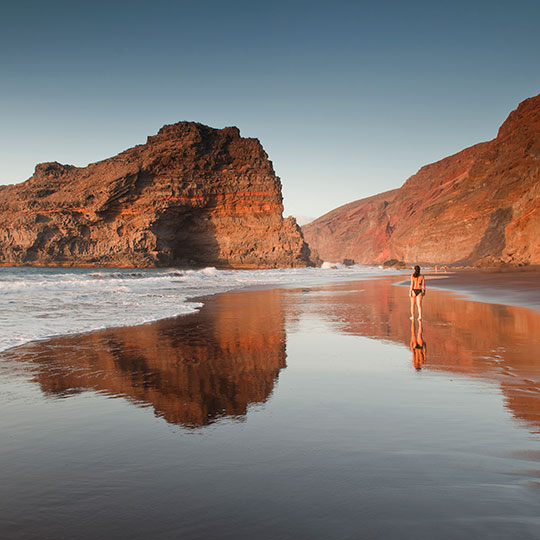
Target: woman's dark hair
<point>416,271</point>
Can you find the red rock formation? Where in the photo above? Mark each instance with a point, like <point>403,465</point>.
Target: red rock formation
<point>191,195</point>
<point>480,206</point>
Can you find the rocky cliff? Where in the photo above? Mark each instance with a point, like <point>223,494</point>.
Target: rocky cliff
<point>478,207</point>
<point>191,195</point>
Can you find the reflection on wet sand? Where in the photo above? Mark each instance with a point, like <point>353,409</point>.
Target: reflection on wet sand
<point>418,346</point>
<point>191,370</point>
<point>215,363</point>
<point>495,342</point>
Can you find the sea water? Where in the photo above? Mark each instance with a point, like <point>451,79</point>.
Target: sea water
<point>37,303</point>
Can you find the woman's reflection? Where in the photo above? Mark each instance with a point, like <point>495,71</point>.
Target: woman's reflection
<point>418,346</point>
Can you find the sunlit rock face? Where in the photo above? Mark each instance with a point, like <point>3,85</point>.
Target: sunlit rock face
<point>480,206</point>
<point>191,195</point>
<point>192,371</point>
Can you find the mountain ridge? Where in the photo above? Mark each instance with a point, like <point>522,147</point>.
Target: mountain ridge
<point>479,206</point>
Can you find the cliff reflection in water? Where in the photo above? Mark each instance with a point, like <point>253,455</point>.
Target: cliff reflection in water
<point>192,370</point>
<point>489,341</point>
<point>196,369</point>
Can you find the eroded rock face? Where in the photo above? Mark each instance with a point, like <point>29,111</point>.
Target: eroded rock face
<point>478,207</point>
<point>192,195</point>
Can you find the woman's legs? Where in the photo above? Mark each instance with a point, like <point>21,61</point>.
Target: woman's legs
<point>419,304</point>
<point>412,307</point>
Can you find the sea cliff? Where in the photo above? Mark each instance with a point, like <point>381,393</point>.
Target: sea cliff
<point>478,207</point>
<point>191,196</point>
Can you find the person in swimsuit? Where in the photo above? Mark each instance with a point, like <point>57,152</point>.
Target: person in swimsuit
<point>417,290</point>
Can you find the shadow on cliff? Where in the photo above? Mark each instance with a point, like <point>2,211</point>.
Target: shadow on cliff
<point>493,241</point>
<point>191,370</point>
<point>187,237</point>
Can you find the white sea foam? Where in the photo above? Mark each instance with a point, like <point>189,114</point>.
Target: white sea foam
<point>36,303</point>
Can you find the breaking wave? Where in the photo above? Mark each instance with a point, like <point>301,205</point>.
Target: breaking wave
<point>36,303</point>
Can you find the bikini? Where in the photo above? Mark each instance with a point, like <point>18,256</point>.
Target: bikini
<point>417,291</point>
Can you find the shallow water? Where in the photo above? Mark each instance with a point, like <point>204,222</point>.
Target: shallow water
<point>37,303</point>
<point>294,413</point>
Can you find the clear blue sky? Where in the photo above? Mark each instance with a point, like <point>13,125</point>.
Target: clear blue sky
<point>348,98</point>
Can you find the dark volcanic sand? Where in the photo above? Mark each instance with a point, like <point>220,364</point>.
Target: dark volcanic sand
<point>510,287</point>
<point>280,414</point>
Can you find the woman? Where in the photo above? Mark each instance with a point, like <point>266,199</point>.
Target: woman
<point>417,290</point>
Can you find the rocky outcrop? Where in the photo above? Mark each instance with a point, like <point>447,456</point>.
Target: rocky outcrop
<point>191,195</point>
<point>478,207</point>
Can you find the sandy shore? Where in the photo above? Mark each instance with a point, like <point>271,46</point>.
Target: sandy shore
<point>313,412</point>
<point>513,288</point>
<point>241,336</point>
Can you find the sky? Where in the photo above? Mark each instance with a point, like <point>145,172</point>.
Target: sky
<point>348,98</point>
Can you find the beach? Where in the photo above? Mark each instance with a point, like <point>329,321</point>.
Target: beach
<point>287,412</point>
<point>270,271</point>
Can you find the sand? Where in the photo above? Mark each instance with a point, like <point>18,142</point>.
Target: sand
<point>281,413</point>
<point>515,288</point>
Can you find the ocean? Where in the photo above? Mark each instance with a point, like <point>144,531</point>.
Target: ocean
<point>38,303</point>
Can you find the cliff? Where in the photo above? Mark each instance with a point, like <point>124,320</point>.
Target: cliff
<point>192,195</point>
<point>480,206</point>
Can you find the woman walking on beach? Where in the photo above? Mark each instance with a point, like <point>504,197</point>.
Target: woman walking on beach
<point>417,290</point>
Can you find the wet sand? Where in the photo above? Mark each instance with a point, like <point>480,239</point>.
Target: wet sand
<point>515,288</point>
<point>281,413</point>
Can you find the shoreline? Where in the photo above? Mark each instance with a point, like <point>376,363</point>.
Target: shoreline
<point>246,330</point>
<point>180,293</point>
<point>262,388</point>
<point>521,289</point>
